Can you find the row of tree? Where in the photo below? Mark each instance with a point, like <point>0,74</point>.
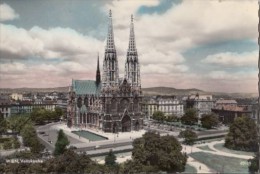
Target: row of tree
<point>189,118</point>
<point>38,116</point>
<point>42,115</point>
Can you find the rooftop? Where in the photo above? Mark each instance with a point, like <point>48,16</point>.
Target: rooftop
<point>231,108</point>
<point>85,87</point>
<point>222,101</point>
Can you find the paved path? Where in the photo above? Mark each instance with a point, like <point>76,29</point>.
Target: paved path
<point>202,168</point>
<point>222,153</point>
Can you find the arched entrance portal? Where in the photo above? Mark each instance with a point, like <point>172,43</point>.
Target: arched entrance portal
<point>126,124</point>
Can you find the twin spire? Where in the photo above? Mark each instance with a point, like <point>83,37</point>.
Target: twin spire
<point>110,35</point>
<point>110,76</point>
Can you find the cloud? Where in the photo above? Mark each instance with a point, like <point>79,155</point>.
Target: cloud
<point>56,42</point>
<point>160,38</point>
<point>42,74</point>
<point>175,31</point>
<point>7,13</point>
<point>232,59</point>
<point>163,68</point>
<point>13,68</point>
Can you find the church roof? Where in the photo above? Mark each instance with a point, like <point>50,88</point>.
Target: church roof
<point>82,87</point>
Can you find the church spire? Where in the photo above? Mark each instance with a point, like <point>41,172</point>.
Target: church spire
<point>110,34</point>
<point>132,69</point>
<point>110,75</point>
<point>131,46</point>
<point>98,79</point>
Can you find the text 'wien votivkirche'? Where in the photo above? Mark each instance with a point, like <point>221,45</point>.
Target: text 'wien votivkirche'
<point>112,104</point>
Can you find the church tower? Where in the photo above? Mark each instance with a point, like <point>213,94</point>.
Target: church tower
<point>98,79</point>
<point>132,69</point>
<point>110,64</point>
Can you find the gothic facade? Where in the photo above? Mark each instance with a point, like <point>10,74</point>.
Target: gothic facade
<point>112,104</point>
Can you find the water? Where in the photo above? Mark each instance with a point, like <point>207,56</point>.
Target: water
<point>89,135</point>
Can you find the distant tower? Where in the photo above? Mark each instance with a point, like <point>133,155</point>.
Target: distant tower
<point>132,69</point>
<point>110,64</point>
<point>98,79</point>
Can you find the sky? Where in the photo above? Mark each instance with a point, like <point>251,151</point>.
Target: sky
<point>206,44</point>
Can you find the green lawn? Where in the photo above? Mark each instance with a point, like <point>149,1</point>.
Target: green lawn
<point>222,163</point>
<point>206,147</point>
<point>220,146</point>
<point>190,169</point>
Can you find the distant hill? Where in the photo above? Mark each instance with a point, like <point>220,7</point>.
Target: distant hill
<point>33,90</point>
<point>171,91</point>
<point>146,91</point>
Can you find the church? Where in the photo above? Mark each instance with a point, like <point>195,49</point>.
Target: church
<point>112,104</point>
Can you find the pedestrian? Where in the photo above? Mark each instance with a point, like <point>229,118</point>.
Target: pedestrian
<point>200,167</point>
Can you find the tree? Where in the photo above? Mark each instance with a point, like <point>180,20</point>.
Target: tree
<point>254,164</point>
<point>159,116</point>
<point>3,124</point>
<point>17,122</point>
<point>110,159</point>
<point>70,162</point>
<point>7,145</point>
<point>155,153</point>
<point>189,136</point>
<point>172,118</point>
<point>209,120</point>
<point>242,135</point>
<point>39,115</point>
<point>30,139</point>
<point>15,142</point>
<point>58,112</point>
<point>190,117</point>
<point>62,142</point>
<point>131,166</point>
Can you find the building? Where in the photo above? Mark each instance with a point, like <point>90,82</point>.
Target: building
<point>169,105</point>
<point>202,103</point>
<point>5,107</point>
<point>16,96</point>
<point>227,114</point>
<point>254,110</point>
<point>26,107</point>
<point>113,104</point>
<point>63,104</point>
<point>223,102</point>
